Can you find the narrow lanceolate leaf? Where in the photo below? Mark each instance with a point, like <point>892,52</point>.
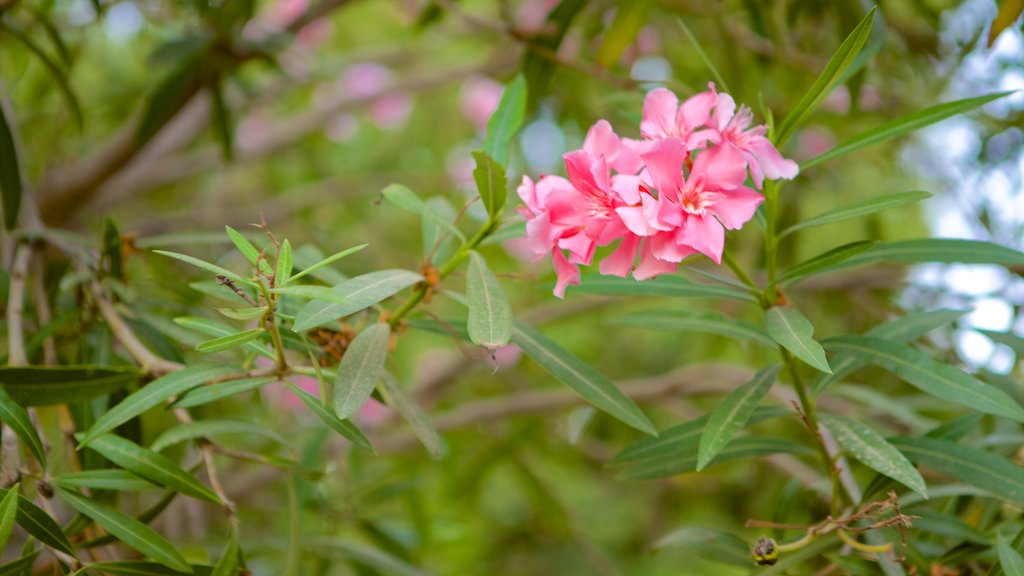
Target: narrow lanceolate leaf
<point>19,567</point>
<point>359,369</point>
<point>228,563</point>
<point>629,19</point>
<point>380,561</point>
<point>226,342</point>
<point>128,530</point>
<point>140,568</point>
<point>318,293</point>
<point>243,313</point>
<point>506,120</point>
<point>207,394</point>
<point>325,262</point>
<point>967,465</point>
<point>46,385</point>
<point>871,449</point>
<point>905,125</point>
<point>362,292</point>
<point>490,315</point>
<point>407,200</point>
<point>251,253</point>
<point>8,512</point>
<point>10,174</point>
<point>108,479</point>
<point>793,332</point>
<point>151,466</point>
<point>153,394</point>
<point>585,380</point>
<point>221,330</point>
<point>284,263</point>
<point>39,524</point>
<point>732,414</point>
<point>943,250</point>
<point>491,182</point>
<point>1009,559</point>
<point>933,377</point>
<point>828,78</point>
<point>344,427</point>
<point>396,397</point>
<point>858,209</point>
<point>17,418</point>
<point>825,262</point>
<point>703,322</point>
<point>739,448</point>
<point>668,286</point>
<point>206,266</point>
<point>1009,12</point>
<point>211,428</point>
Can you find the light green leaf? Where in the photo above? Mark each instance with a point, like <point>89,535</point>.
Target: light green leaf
<point>436,243</point>
<point>206,394</point>
<point>106,479</point>
<point>1009,559</point>
<point>1016,343</point>
<point>228,563</point>
<point>284,263</point>
<point>359,369</point>
<point>60,77</point>
<point>491,182</point>
<point>128,530</point>
<point>362,292</point>
<point>211,428</point>
<point>874,451</point>
<point>586,381</point>
<point>506,120</point>
<point>708,543</point>
<point>254,256</point>
<point>221,330</point>
<point>966,465</point>
<point>155,393</point>
<point>141,568</point>
<point>858,210</point>
<point>344,427</point>
<point>944,250</point>
<point>703,322</point>
<point>793,332</point>
<point>490,315</point>
<point>47,385</point>
<point>374,558</point>
<point>904,125</point>
<point>151,466</point>
<point>732,414</point>
<point>923,372</point>
<point>739,448</point>
<point>243,313</point>
<point>230,341</point>
<point>396,397</point>
<point>17,418</point>
<point>8,512</point>
<point>669,286</point>
<point>326,261</point>
<point>39,524</point>
<point>207,266</point>
<point>825,262</point>
<point>828,78</point>
<point>317,293</point>
<point>407,200</point>
<point>10,174</point>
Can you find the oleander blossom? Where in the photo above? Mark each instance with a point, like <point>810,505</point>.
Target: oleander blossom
<point>663,198</point>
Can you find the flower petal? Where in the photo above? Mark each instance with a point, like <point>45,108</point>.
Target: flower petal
<point>619,262</point>
<point>567,273</point>
<point>736,207</point>
<point>649,266</point>
<point>696,110</point>
<point>664,162</point>
<point>705,235</point>
<point>722,167</point>
<point>580,247</point>
<point>772,164</point>
<point>659,118</point>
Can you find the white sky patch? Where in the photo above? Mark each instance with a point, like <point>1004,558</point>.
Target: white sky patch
<point>123,21</point>
<point>976,279</point>
<point>543,144</point>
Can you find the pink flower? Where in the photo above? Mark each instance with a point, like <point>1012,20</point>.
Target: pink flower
<point>732,127</point>
<point>665,117</point>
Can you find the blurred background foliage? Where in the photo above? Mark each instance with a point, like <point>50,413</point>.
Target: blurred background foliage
<point>172,119</point>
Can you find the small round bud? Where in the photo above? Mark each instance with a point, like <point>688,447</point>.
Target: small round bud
<point>765,552</point>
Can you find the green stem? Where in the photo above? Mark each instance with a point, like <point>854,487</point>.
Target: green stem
<point>771,240</point>
<point>271,323</point>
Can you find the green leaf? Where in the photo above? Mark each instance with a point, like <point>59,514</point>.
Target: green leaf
<point>207,394</point>
<point>376,559</point>
<point>10,174</point>
<point>1009,12</point>
<point>966,465</point>
<point>407,200</point>
<point>228,563</point>
<point>1016,343</point>
<point>928,375</point>
<point>436,243</point>
<point>506,120</point>
<point>47,385</point>
<point>318,293</point>
<point>905,125</point>
<point>944,250</point>
<point>699,51</point>
<point>169,95</point>
<point>858,209</point>
<point>793,332</point>
<point>871,449</point>
<point>670,286</point>
<point>828,78</point>
<point>326,261</point>
<point>362,292</point>
<point>60,77</point>
<point>732,414</point>
<point>586,381</point>
<point>39,524</point>
<point>243,313</point>
<point>702,322</point>
<point>151,466</point>
<point>254,256</point>
<point>8,512</point>
<point>1009,559</point>
<point>955,429</point>
<point>396,397</point>
<point>19,567</point>
<point>708,543</point>
<point>207,266</point>
<point>490,315</point>
<point>221,330</point>
<point>284,263</point>
<point>825,261</point>
<point>359,369</point>
<point>108,479</point>
<point>347,429</point>
<point>153,394</point>
<point>211,428</point>
<point>230,341</point>
<point>538,67</point>
<point>739,448</point>
<point>947,525</point>
<point>491,182</point>
<point>128,530</point>
<point>222,121</point>
<point>629,19</point>
<point>142,568</point>
<point>17,418</point>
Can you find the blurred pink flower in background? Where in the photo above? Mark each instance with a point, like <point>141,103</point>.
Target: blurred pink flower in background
<point>367,80</point>
<point>391,111</point>
<point>814,140</point>
<point>342,127</point>
<point>533,13</point>
<point>480,97</point>
<point>838,100</point>
<point>283,12</point>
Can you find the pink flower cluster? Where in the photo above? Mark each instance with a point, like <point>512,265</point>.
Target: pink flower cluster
<point>667,196</point>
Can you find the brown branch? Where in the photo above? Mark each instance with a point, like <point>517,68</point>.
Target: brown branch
<point>124,334</point>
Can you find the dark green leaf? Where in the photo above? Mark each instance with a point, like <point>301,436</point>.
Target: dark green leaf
<point>825,261</point>
<point>971,466</point>
<point>151,466</point>
<point>8,512</point>
<point>46,385</point>
<point>491,182</point>
<point>708,543</point>
<point>40,525</point>
<point>868,446</point>
<point>10,173</point>
<point>690,321</point>
<point>955,429</point>
<point>506,120</point>
<point>490,315</point>
<point>857,210</point>
<point>344,427</point>
<point>109,479</point>
<point>743,447</point>
<point>17,418</point>
<point>222,121</point>
<point>60,77</point>
<point>168,97</point>
<point>359,369</point>
<point>1009,559</point>
<point>211,428</point>
<point>229,341</point>
<point>206,266</point>
<point>952,527</point>
<point>326,261</point>
<point>794,332</point>
<point>221,330</point>
<point>206,394</point>
<point>661,286</point>
<point>362,292</point>
<point>732,414</point>
<point>141,568</point>
<point>944,250</point>
<point>538,67</point>
<point>396,397</point>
